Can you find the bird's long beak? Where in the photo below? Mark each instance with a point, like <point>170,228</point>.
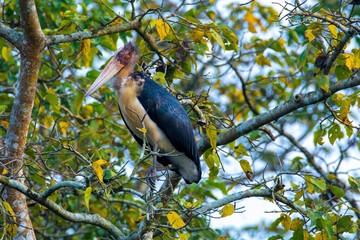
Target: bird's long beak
<point>124,59</point>
<point>109,71</point>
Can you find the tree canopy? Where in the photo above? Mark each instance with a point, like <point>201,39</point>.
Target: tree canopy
<point>272,91</point>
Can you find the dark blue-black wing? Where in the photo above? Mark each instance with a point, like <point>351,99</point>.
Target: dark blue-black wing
<point>166,111</point>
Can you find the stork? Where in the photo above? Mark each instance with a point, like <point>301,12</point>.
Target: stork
<point>145,104</point>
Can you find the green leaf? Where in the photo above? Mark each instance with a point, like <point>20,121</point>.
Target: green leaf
<point>335,133</point>
<point>77,102</point>
<point>298,234</point>
<point>87,196</point>
<point>319,136</point>
<point>342,72</point>
<point>344,224</point>
<point>327,226</point>
<point>338,192</point>
<point>53,100</point>
<point>354,182</point>
<point>217,38</point>
<point>302,59</point>
<point>159,77</point>
<point>231,37</point>
<point>276,223</point>
<point>319,183</point>
<point>240,150</point>
<point>212,160</point>
<point>200,48</point>
<point>323,81</point>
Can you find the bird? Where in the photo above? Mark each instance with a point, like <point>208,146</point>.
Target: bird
<point>152,115</point>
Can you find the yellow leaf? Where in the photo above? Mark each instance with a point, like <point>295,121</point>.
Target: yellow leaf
<point>143,130</point>
<point>245,165</point>
<point>184,236</point>
<point>85,46</point>
<point>251,20</point>
<point>5,52</point>
<point>262,60</point>
<point>296,223</point>
<point>175,220</point>
<point>9,210</point>
<point>85,51</point>
<point>162,28</point>
<point>11,230</point>
<point>227,210</point>
<point>48,121</point>
<point>333,31</point>
<point>217,38</point>
<point>286,221</point>
<point>223,238</point>
<point>197,35</point>
<point>140,218</point>
<point>98,170</point>
<point>5,123</point>
<point>309,35</point>
<point>87,196</point>
<point>10,226</point>
<point>64,126</point>
<point>211,134</point>
<point>87,111</point>
<point>4,171</point>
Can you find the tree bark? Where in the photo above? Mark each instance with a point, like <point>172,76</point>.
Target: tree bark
<point>17,132</point>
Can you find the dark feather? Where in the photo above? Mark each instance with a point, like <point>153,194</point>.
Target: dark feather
<point>166,111</point>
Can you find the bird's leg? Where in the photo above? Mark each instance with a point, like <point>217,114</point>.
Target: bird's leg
<point>151,172</point>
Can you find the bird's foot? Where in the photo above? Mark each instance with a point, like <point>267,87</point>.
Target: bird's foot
<point>151,177</point>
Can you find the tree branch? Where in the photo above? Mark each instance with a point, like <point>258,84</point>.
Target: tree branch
<point>12,36</point>
<point>93,219</point>
<point>302,100</point>
<point>247,194</point>
<point>47,192</point>
<point>55,39</point>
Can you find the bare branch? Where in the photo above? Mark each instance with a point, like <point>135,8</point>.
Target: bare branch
<point>12,36</point>
<point>93,219</point>
<point>47,192</point>
<point>55,39</point>
<point>302,100</point>
<point>247,194</point>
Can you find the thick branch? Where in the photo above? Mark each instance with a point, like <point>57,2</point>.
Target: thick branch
<point>11,35</point>
<point>276,113</point>
<point>247,194</point>
<point>339,48</point>
<point>93,219</point>
<point>55,39</point>
<point>46,193</point>
<point>30,51</point>
<point>30,23</point>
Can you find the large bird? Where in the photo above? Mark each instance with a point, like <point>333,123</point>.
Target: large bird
<point>145,104</point>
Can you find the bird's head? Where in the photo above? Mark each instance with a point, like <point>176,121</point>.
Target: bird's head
<point>122,64</point>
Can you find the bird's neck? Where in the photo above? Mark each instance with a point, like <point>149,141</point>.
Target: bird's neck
<point>125,92</point>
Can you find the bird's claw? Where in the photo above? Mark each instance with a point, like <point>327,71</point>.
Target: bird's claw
<point>151,177</point>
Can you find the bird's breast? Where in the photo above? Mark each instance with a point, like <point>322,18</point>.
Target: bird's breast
<point>142,125</point>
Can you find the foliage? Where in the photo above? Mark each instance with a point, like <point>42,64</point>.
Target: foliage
<point>230,64</point>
